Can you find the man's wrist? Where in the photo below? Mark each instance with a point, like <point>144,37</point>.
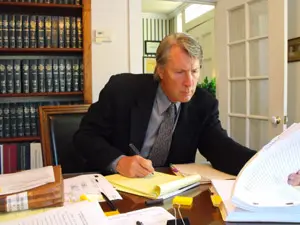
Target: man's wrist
<point>113,166</point>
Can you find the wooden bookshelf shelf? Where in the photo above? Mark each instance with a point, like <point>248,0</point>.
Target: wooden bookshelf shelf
<point>40,50</point>
<point>42,94</point>
<point>40,5</point>
<point>19,139</point>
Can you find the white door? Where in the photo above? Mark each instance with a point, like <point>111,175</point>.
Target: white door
<point>251,63</point>
<point>202,28</point>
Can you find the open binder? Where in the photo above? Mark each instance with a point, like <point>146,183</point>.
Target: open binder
<point>48,195</point>
<point>159,185</point>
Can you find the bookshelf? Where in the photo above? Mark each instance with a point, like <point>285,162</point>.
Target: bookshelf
<point>45,53</point>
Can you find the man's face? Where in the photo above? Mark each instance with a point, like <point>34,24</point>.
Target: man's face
<point>179,76</point>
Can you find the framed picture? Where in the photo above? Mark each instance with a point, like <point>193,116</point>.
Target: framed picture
<point>151,47</point>
<point>294,50</point>
<point>149,64</point>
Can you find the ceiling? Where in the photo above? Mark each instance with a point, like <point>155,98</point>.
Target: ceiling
<point>159,6</point>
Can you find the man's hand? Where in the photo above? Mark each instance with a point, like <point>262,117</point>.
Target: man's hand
<point>134,166</point>
<point>294,179</point>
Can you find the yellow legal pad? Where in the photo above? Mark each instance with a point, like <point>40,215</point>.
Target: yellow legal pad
<point>153,186</point>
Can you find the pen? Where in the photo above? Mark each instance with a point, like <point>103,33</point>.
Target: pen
<point>109,202</point>
<point>135,150</point>
<point>175,170</point>
<point>139,223</point>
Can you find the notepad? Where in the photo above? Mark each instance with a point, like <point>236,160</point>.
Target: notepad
<point>157,186</point>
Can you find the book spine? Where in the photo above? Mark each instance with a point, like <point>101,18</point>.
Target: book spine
<point>41,31</point>
<point>41,75</point>
<point>20,120</point>
<point>55,31</point>
<point>13,120</point>
<point>48,31</point>
<point>10,76</point>
<point>33,76</point>
<point>61,35</point>
<point>33,32</point>
<point>6,120</point>
<point>19,39</point>
<point>2,77</point>
<point>5,30</point>
<point>11,30</point>
<point>49,76</point>
<point>25,31</point>
<point>62,75</point>
<point>55,75</point>
<point>17,73</point>
<point>27,127</point>
<point>25,75</point>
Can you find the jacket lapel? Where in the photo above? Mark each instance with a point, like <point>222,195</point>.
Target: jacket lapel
<point>140,115</point>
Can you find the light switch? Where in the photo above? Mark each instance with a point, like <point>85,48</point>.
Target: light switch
<point>101,36</point>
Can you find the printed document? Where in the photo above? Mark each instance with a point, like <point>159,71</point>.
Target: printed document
<point>90,185</point>
<point>262,183</point>
<point>81,213</point>
<point>25,180</point>
<point>148,216</point>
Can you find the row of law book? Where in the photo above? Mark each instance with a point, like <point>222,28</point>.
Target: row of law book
<point>72,2</point>
<point>22,119</point>
<point>41,75</point>
<point>38,31</point>
<point>20,156</point>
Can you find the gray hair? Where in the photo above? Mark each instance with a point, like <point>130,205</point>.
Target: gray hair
<point>184,41</point>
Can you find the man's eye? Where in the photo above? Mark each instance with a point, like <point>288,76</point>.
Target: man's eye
<point>194,71</point>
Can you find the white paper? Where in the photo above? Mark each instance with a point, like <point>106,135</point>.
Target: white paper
<point>148,216</point>
<point>91,185</point>
<point>81,213</point>
<point>25,180</point>
<point>263,180</point>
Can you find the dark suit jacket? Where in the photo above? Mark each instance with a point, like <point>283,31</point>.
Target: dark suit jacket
<point>121,117</point>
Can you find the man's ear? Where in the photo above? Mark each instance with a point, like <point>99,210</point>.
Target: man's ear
<point>160,72</point>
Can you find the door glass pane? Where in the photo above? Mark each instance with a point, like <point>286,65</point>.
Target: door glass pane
<point>238,129</point>
<point>258,133</point>
<point>259,57</point>
<point>237,24</point>
<point>238,97</point>
<point>258,21</point>
<point>259,97</point>
<point>237,57</point>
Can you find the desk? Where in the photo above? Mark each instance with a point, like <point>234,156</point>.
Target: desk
<point>201,213</point>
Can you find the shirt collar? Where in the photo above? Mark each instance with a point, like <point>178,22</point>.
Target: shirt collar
<point>163,102</point>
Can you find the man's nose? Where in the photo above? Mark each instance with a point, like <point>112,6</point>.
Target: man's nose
<point>188,80</point>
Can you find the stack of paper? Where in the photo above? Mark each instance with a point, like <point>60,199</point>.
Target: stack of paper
<point>232,213</point>
<point>160,185</point>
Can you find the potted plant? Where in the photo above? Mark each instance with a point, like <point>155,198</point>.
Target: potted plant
<point>209,85</point>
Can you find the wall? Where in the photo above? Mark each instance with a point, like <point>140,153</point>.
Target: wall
<point>122,19</point>
<point>293,68</point>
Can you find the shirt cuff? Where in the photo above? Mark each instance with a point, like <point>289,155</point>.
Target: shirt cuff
<point>113,165</point>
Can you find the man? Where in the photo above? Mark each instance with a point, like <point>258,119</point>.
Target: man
<point>165,119</point>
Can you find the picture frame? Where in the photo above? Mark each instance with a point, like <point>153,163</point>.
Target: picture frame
<point>294,49</point>
<point>149,64</point>
<point>151,47</point>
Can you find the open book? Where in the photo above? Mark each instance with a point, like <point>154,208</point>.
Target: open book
<point>159,185</point>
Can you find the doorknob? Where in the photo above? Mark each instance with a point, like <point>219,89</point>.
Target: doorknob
<point>276,120</point>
